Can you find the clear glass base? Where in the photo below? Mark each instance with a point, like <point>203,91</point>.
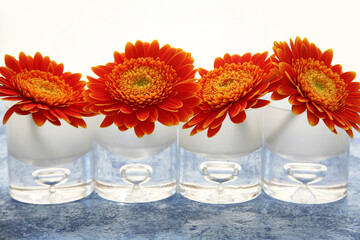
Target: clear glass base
<point>305,182</point>
<point>135,180</point>
<point>67,183</point>
<point>220,181</point>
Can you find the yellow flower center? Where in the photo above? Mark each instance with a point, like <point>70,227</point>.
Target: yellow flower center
<point>44,87</point>
<point>228,84</point>
<point>320,84</point>
<point>141,82</point>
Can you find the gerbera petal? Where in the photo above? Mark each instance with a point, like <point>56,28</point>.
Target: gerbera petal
<point>260,103</point>
<point>213,131</point>
<point>9,112</point>
<point>177,60</point>
<point>147,127</point>
<point>130,120</point>
<point>153,50</point>
<point>236,108</point>
<point>38,61</point>
<point>202,71</point>
<point>138,131</point>
<point>287,89</point>
<point>143,114</point>
<point>239,118</point>
<point>12,63</point>
<point>23,61</point>
<point>140,48</point>
<point>326,57</point>
<point>130,51</point>
<point>260,59</point>
<point>348,76</point>
<point>287,70</point>
<point>235,58</point>
<point>245,58</point>
<point>39,118</point>
<point>337,68</point>
<point>298,109</point>
<point>108,121</point>
<point>118,57</point>
<point>219,62</point>
<point>293,100</point>
<point>165,118</point>
<point>312,119</point>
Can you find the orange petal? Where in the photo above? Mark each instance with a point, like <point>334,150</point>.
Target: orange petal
<point>235,58</point>
<point>217,122</point>
<point>153,116</point>
<point>348,76</point>
<point>298,109</point>
<point>213,131</point>
<point>138,131</point>
<point>23,61</point>
<point>177,60</point>
<point>147,127</point>
<point>165,118</point>
<point>329,123</point>
<point>219,62</point>
<point>239,118</point>
<point>327,57</point>
<point>198,118</point>
<point>261,103</point>
<point>202,71</point>
<point>259,60</point>
<point>140,49</point>
<point>108,121</point>
<point>118,57</point>
<point>227,58</point>
<point>39,118</point>
<point>245,58</point>
<point>153,50</point>
<point>130,120</point>
<point>9,112</point>
<point>287,68</point>
<point>236,108</point>
<point>304,52</point>
<point>143,113</point>
<point>38,61</point>
<point>12,63</point>
<point>293,100</point>
<point>287,89</point>
<point>337,68</point>
<point>312,119</point>
<point>172,103</point>
<point>119,119</point>
<point>275,96</point>
<point>59,69</point>
<point>130,51</point>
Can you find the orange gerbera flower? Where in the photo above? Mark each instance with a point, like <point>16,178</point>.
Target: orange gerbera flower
<point>236,83</point>
<point>313,84</point>
<point>42,89</point>
<point>143,85</point>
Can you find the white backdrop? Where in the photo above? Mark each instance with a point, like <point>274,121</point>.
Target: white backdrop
<point>85,33</point>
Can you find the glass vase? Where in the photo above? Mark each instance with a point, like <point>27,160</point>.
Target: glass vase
<point>225,168</point>
<point>301,163</point>
<point>48,164</point>
<point>131,169</point>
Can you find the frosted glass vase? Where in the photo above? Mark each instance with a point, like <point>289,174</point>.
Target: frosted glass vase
<point>303,164</point>
<point>225,168</point>
<point>131,169</point>
<point>48,164</point>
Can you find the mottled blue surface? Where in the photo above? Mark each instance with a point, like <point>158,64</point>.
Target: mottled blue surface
<point>179,218</point>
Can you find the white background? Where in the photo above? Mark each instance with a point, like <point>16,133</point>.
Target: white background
<point>85,33</point>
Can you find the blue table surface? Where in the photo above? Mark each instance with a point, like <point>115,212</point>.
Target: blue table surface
<point>179,218</point>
